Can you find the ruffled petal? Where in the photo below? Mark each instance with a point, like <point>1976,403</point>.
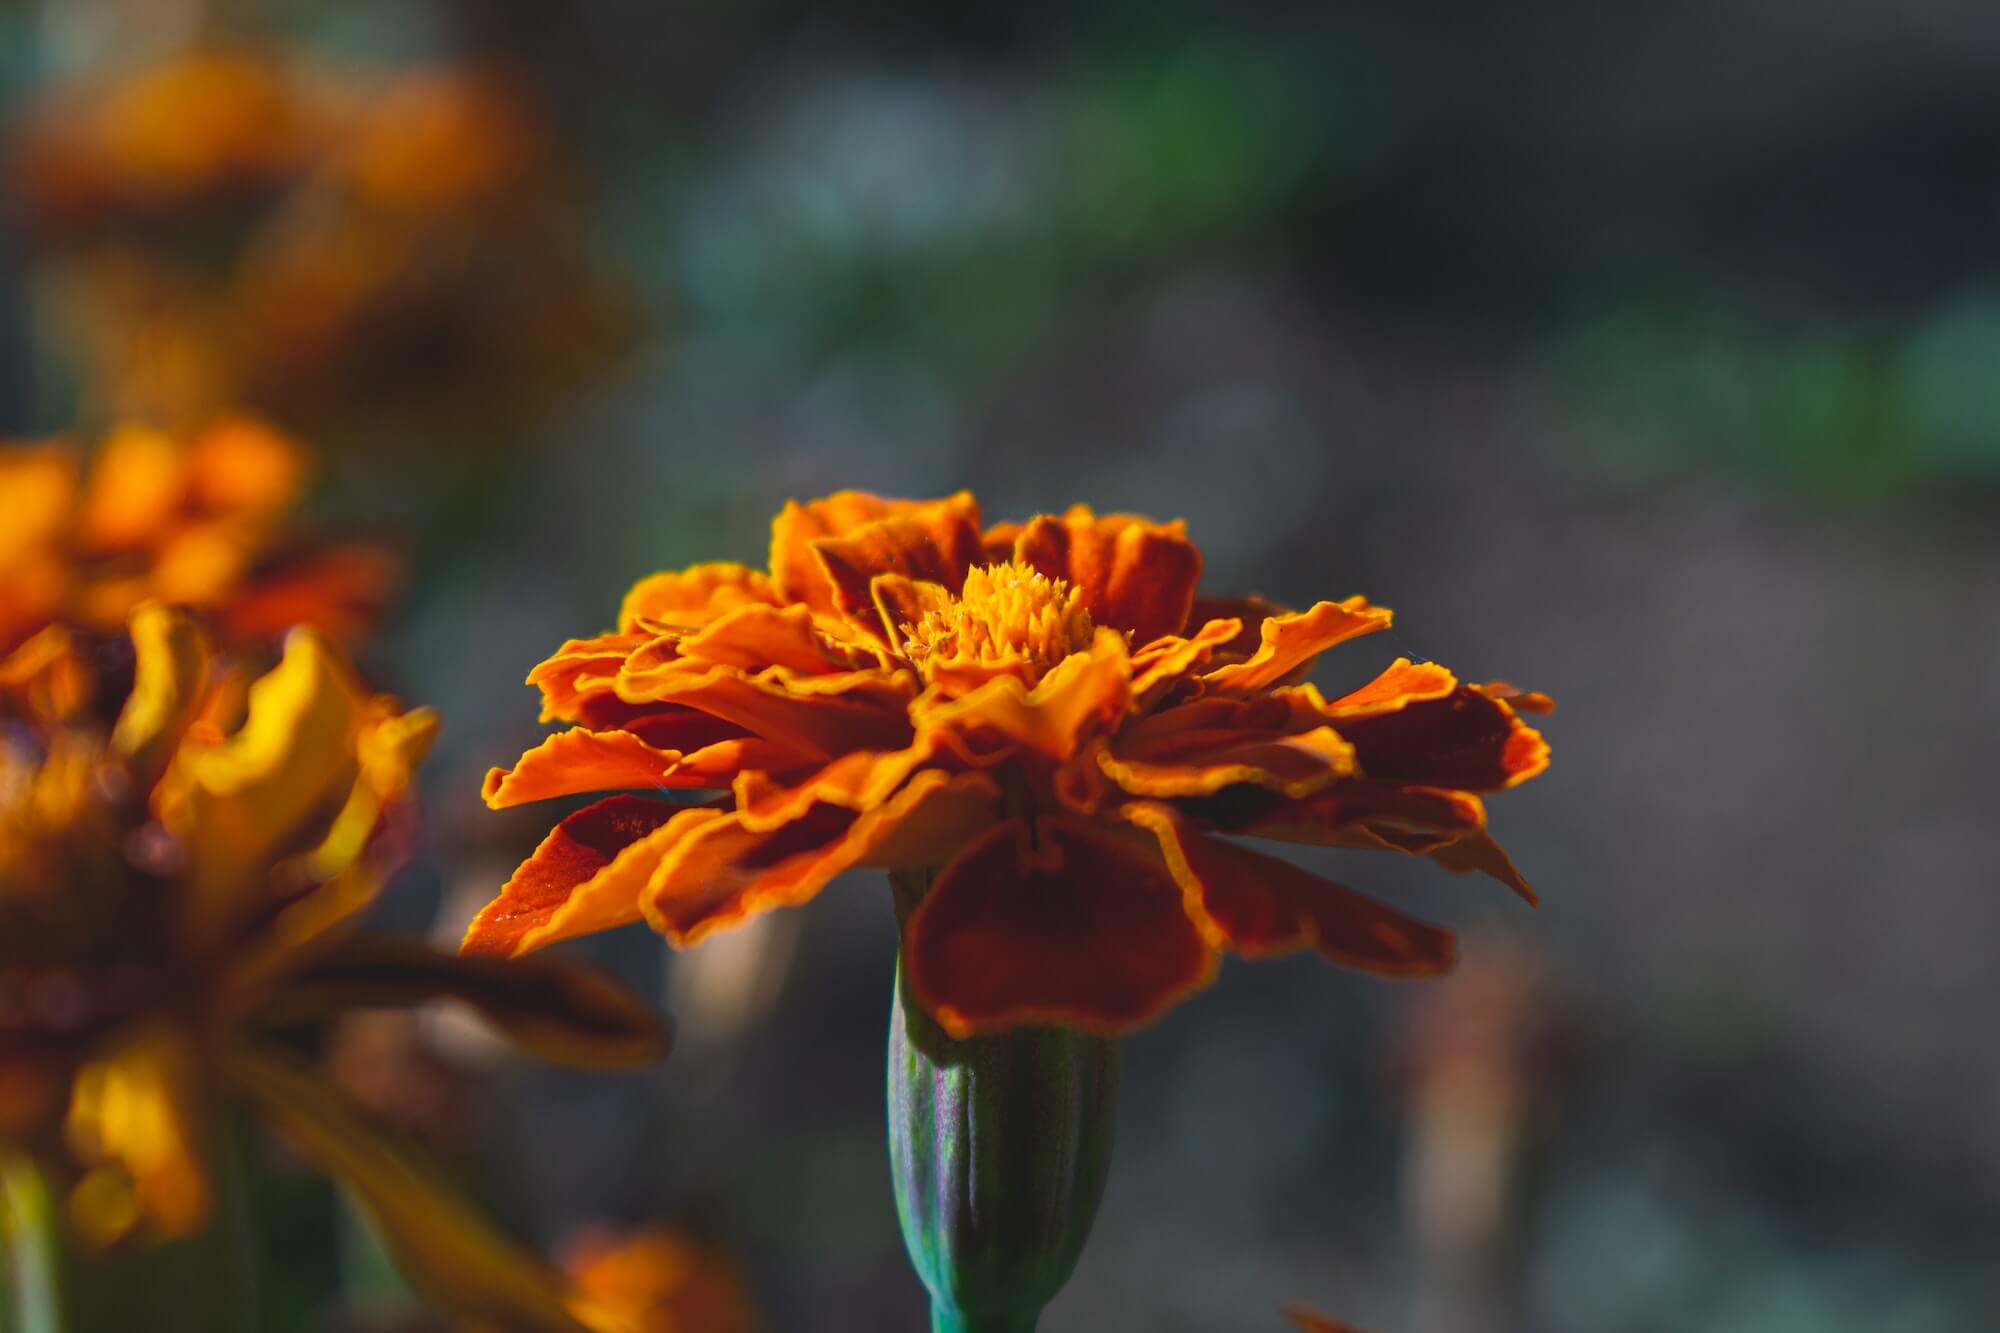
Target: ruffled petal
<point>1084,693</point>
<point>797,570</point>
<point>931,547</point>
<point>868,715</point>
<point>1067,924</point>
<point>1207,761</point>
<point>858,781</point>
<point>1465,739</point>
<point>1262,907</point>
<point>1136,575</point>
<point>755,637</point>
<point>1401,683</point>
<point>694,596</point>
<point>1249,613</point>
<point>577,760</point>
<point>583,670</point>
<point>170,669</point>
<point>585,876</point>
<point>1290,641</point>
<point>1166,662</point>
<point>559,1009</point>
<point>727,873</point>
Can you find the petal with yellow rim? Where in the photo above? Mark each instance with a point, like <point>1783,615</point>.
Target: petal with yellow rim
<point>726,873</point>
<point>694,596</point>
<point>581,669</point>
<point>797,570</point>
<point>578,760</point>
<point>1066,923</point>
<point>1464,740</point>
<point>1288,643</point>
<point>1135,575</point>
<point>1201,763</point>
<point>1084,693</point>
<point>827,724</point>
<point>929,548</point>
<point>1263,907</point>
<point>586,875</point>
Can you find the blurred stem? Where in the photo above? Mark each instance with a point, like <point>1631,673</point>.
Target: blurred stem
<point>31,1231</point>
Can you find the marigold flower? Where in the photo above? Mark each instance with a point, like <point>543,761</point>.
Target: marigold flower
<point>1045,718</point>
<point>181,862</point>
<point>659,1281</point>
<point>198,520</point>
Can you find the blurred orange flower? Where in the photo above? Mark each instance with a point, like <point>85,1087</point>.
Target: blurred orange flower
<point>196,520</point>
<point>181,861</point>
<point>1309,1321</point>
<point>335,248</point>
<point>659,1281</point>
<point>1040,726</point>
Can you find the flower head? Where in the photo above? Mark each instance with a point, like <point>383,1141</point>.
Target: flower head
<point>1041,724</point>
<point>197,519</point>
<point>182,860</point>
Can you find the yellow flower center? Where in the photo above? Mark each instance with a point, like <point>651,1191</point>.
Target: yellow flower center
<point>1007,613</point>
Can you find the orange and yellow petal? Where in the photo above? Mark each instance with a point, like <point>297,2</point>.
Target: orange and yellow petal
<point>1135,575</point>
<point>695,596</point>
<point>579,760</point>
<point>827,724</point>
<point>726,872</point>
<point>580,671</point>
<point>930,547</point>
<point>1287,643</point>
<point>1202,763</point>
<point>797,570</point>
<point>1262,907</point>
<point>1249,613</point>
<point>1064,923</point>
<point>586,875</point>
<point>1083,695</point>
<point>1401,683</point>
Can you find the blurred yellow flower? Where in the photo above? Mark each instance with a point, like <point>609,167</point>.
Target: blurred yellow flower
<point>181,860</point>
<point>660,1281</point>
<point>198,520</point>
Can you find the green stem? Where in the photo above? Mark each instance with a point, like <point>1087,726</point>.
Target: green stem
<point>31,1231</point>
<point>944,1319</point>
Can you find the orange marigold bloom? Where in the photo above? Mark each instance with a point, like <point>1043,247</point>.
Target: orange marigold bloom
<point>1044,715</point>
<point>182,860</point>
<point>196,520</point>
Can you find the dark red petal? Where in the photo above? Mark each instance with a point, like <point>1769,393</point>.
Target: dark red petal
<point>1135,575</point>
<point>1070,925</point>
<point>1261,906</point>
<point>1464,740</point>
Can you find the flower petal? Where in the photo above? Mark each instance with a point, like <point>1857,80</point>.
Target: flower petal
<point>586,875</point>
<point>694,596</point>
<point>1164,663</point>
<point>1084,692</point>
<point>1465,740</point>
<point>861,780</point>
<point>1136,575</point>
<point>577,760</point>
<point>1359,813</point>
<point>557,1008</point>
<point>341,591</point>
<point>1205,762</point>
<point>726,873</point>
<point>445,1248</point>
<point>1068,924</point>
<point>870,717</point>
<point>169,670</point>
<point>797,570</point>
<point>580,670</point>
<point>136,1114</point>
<point>1262,907</point>
<point>928,547</point>
<point>754,637</point>
<point>1290,641</point>
<point>1248,612</point>
<point>1401,683</point>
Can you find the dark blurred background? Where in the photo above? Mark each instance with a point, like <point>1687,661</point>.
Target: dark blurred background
<point>1644,354</point>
